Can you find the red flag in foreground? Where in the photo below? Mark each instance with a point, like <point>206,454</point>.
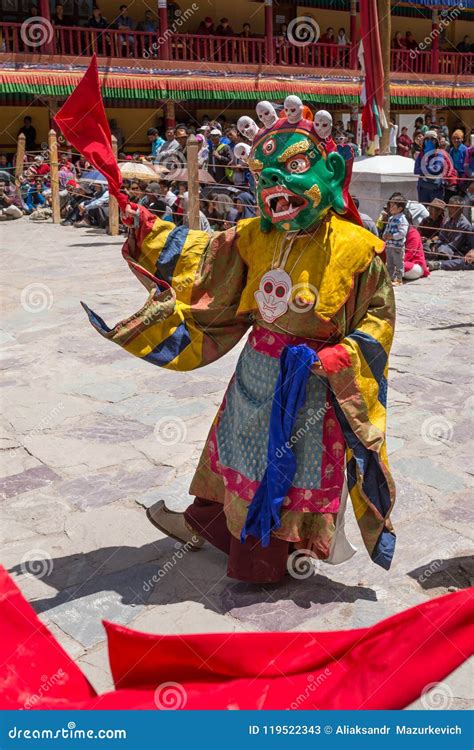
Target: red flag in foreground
<point>386,666</point>
<point>83,122</point>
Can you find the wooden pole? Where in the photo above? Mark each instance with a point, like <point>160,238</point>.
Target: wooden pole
<point>20,162</point>
<point>54,167</point>
<point>385,31</point>
<point>164,32</point>
<point>192,150</point>
<point>113,205</point>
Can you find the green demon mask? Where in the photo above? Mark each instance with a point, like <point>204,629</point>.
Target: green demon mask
<point>297,180</point>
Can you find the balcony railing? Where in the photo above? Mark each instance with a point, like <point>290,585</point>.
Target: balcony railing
<point>82,42</point>
<point>418,61</point>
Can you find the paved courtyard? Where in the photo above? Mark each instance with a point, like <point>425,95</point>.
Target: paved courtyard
<point>91,437</point>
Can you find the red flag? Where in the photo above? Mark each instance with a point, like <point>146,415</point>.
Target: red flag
<point>83,121</point>
<point>385,666</point>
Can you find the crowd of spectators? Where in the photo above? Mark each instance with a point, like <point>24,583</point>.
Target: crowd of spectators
<point>432,233</point>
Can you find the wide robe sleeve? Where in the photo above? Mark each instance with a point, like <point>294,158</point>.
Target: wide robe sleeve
<point>357,369</point>
<point>194,281</point>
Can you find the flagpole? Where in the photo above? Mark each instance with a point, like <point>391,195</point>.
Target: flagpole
<point>385,32</point>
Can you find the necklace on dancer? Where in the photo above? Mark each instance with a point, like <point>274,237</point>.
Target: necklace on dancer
<point>274,292</point>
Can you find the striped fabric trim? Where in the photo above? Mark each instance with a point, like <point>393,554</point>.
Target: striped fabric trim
<point>376,358</point>
<point>169,256</point>
<point>170,348</point>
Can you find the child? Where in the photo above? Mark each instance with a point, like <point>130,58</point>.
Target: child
<point>395,234</point>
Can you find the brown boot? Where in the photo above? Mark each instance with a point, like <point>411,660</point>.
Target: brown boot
<point>173,524</point>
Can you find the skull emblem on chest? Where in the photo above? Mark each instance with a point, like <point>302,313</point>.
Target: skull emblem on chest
<point>273,294</point>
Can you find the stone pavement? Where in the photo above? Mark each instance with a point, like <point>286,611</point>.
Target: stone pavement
<point>91,436</point>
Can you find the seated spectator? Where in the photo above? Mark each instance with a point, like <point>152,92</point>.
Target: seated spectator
<point>34,197</point>
<point>366,219</point>
<point>404,143</point>
<point>342,38</point>
<point>283,31</point>
<point>224,28</point>
<point>246,31</point>
<point>245,205</point>
<point>455,236</point>
<point>97,20</point>
<point>328,37</point>
<point>64,176</point>
<point>398,41</point>
<point>206,27</point>
<point>166,194</point>
<point>465,45</point>
<point>123,21</point>
<point>70,208</point>
<point>148,24</point>
<point>5,164</point>
<point>136,191</point>
<point>282,47</point>
<point>58,16</point>
<point>95,212</point>
<point>8,205</point>
<point>414,262</point>
<point>153,201</point>
<point>410,41</point>
<point>39,166</point>
<point>155,140</point>
<point>430,226</point>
